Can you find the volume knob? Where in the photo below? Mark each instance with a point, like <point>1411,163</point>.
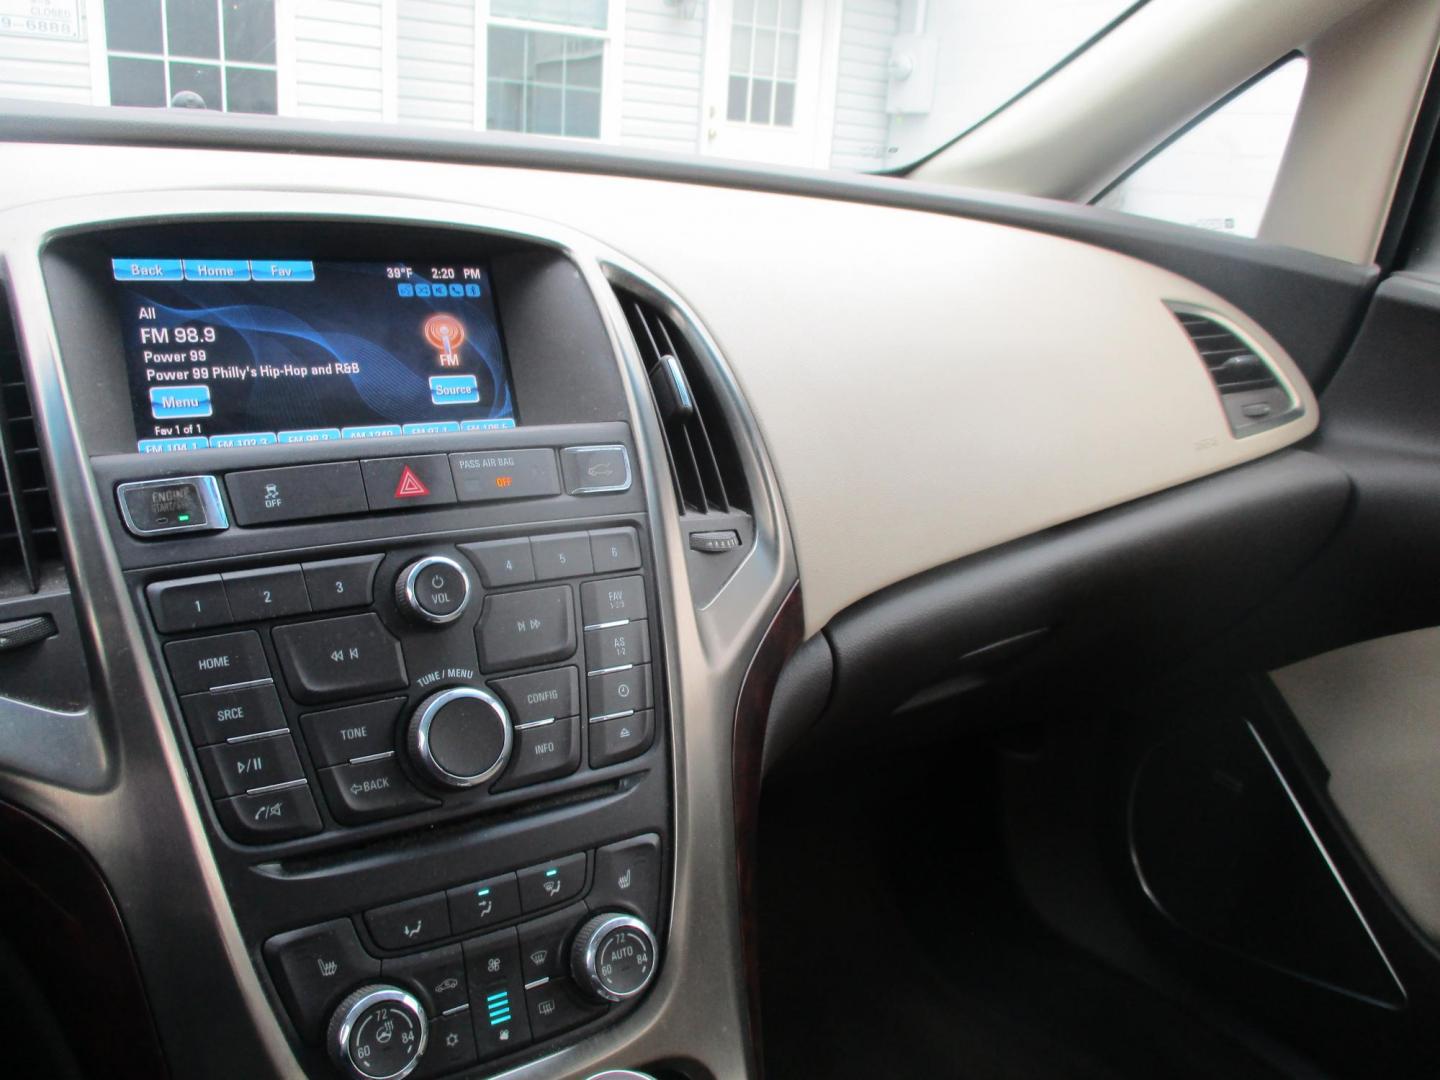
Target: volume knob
<point>433,590</point>
<point>460,737</point>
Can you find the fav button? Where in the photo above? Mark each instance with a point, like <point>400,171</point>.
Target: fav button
<point>410,922</point>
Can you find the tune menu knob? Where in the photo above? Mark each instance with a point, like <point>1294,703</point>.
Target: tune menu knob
<point>378,1033</point>
<point>434,590</point>
<point>614,956</point>
<point>460,737</point>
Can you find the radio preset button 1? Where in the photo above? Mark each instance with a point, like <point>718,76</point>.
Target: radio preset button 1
<point>491,475</point>
<point>196,603</point>
<point>341,583</point>
<point>338,658</point>
<point>222,660</point>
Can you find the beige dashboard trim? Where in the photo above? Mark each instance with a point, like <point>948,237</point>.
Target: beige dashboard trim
<point>927,386</point>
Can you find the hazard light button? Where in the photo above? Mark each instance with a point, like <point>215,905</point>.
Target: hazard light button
<point>402,483</point>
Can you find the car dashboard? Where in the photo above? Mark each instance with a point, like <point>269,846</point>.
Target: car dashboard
<point>431,527</point>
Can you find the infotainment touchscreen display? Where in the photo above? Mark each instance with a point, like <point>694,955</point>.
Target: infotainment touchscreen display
<point>250,352</point>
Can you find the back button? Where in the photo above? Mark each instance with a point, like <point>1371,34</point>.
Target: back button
<point>375,788</point>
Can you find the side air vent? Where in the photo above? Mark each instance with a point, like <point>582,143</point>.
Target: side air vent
<point>703,459</point>
<point>28,537</point>
<point>1252,395</point>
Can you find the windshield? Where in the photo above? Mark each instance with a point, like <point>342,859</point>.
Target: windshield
<point>843,84</point>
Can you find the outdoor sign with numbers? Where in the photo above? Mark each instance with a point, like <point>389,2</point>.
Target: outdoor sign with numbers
<point>41,18</point>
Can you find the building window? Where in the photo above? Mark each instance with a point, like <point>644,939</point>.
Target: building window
<point>221,50</point>
<point>541,81</point>
<point>764,60</point>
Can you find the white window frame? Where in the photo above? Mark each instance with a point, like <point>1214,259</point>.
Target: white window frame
<point>612,75</point>
<point>96,11</point>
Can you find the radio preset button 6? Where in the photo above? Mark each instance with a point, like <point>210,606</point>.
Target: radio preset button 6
<point>433,590</point>
<point>339,658</point>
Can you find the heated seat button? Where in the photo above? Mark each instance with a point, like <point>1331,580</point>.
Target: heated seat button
<point>410,922</point>
<point>365,790</point>
<point>502,562</point>
<point>438,977</point>
<point>267,817</point>
<point>229,714</point>
<point>195,603</point>
<point>273,592</point>
<point>336,736</point>
<point>612,600</point>
<point>552,882</point>
<point>402,483</point>
<point>483,904</point>
<point>522,628</point>
<point>627,875</point>
<point>543,751</point>
<point>296,492</point>
<point>544,695</point>
<point>315,967</point>
<point>233,768</point>
<point>339,658</point>
<point>222,660</point>
<point>341,583</point>
<point>617,692</point>
<point>621,738</point>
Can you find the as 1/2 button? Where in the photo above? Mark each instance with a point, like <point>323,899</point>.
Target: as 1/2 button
<point>339,658</point>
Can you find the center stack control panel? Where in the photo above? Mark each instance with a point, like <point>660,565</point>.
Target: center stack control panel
<point>449,748</point>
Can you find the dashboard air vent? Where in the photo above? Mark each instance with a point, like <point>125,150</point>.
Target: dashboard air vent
<point>1252,395</point>
<point>28,536</point>
<point>703,459</point>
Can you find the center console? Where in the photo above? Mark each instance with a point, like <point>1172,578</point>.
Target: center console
<point>376,499</point>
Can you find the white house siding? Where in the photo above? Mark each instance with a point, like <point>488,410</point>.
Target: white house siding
<point>338,59</point>
<point>435,57</point>
<point>867,30</point>
<point>46,70</point>
<point>662,75</point>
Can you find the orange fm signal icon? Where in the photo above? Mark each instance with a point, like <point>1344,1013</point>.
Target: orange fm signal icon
<point>445,332</point>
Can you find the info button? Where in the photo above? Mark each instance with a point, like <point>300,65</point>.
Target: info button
<point>505,474</point>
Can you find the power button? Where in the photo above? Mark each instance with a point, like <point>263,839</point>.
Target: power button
<point>433,590</point>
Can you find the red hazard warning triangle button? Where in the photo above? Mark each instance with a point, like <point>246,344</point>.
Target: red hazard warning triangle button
<point>410,486</point>
<point>400,483</point>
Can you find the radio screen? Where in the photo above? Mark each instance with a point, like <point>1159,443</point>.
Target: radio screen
<point>250,352</point>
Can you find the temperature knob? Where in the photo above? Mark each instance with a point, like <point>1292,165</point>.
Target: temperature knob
<point>460,737</point>
<point>378,1033</point>
<point>433,590</point>
<point>614,956</point>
